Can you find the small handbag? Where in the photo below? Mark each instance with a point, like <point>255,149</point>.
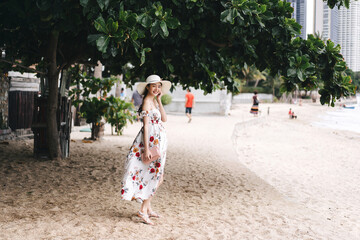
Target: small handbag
<point>155,154</point>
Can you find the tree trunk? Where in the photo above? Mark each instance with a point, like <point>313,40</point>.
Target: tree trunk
<point>118,85</point>
<point>77,113</point>
<point>53,76</point>
<point>257,82</point>
<point>92,131</point>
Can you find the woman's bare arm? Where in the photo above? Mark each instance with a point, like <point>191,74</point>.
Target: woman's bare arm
<point>146,107</point>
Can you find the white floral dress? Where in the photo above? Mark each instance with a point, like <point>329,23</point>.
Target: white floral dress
<point>141,180</point>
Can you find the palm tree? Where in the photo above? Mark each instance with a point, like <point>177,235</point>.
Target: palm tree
<point>252,74</point>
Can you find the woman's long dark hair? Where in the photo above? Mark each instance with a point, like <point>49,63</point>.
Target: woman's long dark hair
<point>146,91</point>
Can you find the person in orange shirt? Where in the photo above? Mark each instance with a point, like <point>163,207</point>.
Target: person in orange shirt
<point>189,103</point>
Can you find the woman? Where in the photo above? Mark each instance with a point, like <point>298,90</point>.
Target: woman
<point>255,107</point>
<point>142,176</point>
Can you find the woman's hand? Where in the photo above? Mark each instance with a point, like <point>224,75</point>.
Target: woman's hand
<point>147,155</point>
<point>158,96</point>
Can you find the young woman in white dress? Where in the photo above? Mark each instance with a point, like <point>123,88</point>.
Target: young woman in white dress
<point>142,177</point>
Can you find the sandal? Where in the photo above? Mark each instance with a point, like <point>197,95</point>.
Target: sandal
<point>145,218</point>
<point>153,214</point>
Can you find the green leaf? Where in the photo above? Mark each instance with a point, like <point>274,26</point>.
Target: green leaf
<point>155,28</point>
<point>291,72</point>
<point>164,28</point>
<point>131,20</point>
<point>275,31</point>
<point>113,51</point>
<point>103,4</point>
<point>145,20</point>
<point>225,16</point>
<point>134,35</point>
<point>110,25</point>
<point>141,34</point>
<point>119,35</point>
<point>100,24</point>
<point>263,8</point>
<point>93,37</point>
<point>84,3</point>
<point>238,3</point>
<point>102,43</point>
<point>300,75</point>
<point>171,67</point>
<point>142,58</point>
<point>114,27</point>
<point>106,3</point>
<point>172,22</point>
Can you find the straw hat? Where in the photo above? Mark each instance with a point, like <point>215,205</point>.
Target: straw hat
<point>166,85</point>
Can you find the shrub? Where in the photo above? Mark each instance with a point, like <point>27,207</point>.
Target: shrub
<point>252,89</point>
<point>119,113</point>
<point>166,99</point>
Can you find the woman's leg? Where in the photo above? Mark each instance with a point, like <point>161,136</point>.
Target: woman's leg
<point>143,213</point>
<point>150,212</point>
<point>145,206</point>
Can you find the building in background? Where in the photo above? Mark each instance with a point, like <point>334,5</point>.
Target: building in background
<point>349,34</point>
<point>330,23</point>
<point>299,14</point>
<point>342,26</point>
<point>326,21</point>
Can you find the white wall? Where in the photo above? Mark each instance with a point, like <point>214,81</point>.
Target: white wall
<point>218,102</point>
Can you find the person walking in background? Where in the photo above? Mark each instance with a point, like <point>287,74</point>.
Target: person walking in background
<point>255,107</point>
<point>136,99</point>
<point>189,103</point>
<point>122,94</point>
<point>144,167</point>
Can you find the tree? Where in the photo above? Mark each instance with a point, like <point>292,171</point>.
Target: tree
<point>214,36</point>
<point>119,113</point>
<point>191,42</point>
<point>115,111</point>
<point>251,74</point>
<point>355,77</point>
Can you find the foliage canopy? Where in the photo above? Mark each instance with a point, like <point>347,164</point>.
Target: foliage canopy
<point>192,42</point>
<point>196,43</point>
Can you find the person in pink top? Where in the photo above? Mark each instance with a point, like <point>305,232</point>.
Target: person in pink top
<point>189,103</point>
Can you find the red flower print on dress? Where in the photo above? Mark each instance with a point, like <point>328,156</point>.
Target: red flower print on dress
<point>140,187</point>
<point>137,154</point>
<point>133,177</point>
<point>157,165</point>
<point>151,138</point>
<point>122,191</point>
<point>152,170</point>
<point>141,145</point>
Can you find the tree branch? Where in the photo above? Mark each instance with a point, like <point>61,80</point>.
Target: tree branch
<point>221,45</point>
<point>22,66</point>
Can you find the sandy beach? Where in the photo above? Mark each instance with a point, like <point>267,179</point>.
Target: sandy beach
<point>234,177</point>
